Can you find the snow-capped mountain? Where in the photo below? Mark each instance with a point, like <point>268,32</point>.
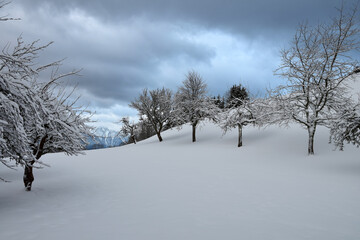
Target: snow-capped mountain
<point>105,138</point>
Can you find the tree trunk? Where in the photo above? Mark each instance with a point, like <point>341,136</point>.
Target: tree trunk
<point>159,136</point>
<point>311,131</point>
<point>28,171</point>
<point>194,132</point>
<point>240,135</point>
<point>28,176</point>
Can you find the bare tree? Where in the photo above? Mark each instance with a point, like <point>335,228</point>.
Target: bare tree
<point>192,104</point>
<point>19,100</point>
<point>128,129</point>
<point>35,118</point>
<point>16,92</point>
<point>62,126</point>
<point>316,66</point>
<point>246,111</point>
<point>155,106</point>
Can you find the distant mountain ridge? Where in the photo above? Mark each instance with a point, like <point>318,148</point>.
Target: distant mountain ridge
<point>104,138</point>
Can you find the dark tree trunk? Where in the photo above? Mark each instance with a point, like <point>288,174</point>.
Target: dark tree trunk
<point>28,171</point>
<point>159,136</point>
<point>133,139</point>
<point>311,132</point>
<point>132,135</point>
<point>194,132</point>
<point>28,176</point>
<point>240,135</point>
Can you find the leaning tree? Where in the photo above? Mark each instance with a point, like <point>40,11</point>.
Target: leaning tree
<point>316,66</point>
<point>35,117</point>
<point>17,98</point>
<point>20,102</point>
<point>62,126</point>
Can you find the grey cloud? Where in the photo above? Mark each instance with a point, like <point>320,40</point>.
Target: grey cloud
<point>118,59</point>
<point>126,45</point>
<point>246,16</point>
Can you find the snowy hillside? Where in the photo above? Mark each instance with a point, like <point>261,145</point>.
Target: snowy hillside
<point>178,190</point>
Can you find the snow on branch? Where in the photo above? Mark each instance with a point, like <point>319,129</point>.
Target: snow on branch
<point>317,66</point>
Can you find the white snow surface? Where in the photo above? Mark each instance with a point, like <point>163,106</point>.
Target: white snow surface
<point>179,190</point>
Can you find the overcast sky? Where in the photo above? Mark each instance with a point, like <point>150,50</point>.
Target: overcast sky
<point>123,46</point>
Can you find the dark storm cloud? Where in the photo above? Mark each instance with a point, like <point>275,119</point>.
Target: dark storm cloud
<point>120,69</point>
<point>123,46</point>
<point>118,59</point>
<point>244,16</point>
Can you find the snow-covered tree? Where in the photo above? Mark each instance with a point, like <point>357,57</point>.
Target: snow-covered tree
<point>316,66</point>
<point>237,117</point>
<point>18,99</point>
<point>62,126</point>
<point>241,111</point>
<point>156,107</point>
<point>19,103</point>
<point>346,126</point>
<point>35,118</point>
<point>128,129</point>
<point>192,105</point>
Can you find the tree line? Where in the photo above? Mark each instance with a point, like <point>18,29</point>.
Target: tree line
<point>318,67</point>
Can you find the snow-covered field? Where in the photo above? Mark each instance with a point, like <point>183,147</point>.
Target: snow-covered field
<point>268,189</point>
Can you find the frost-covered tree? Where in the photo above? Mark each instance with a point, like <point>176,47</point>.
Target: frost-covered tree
<point>346,126</point>
<point>316,66</point>
<point>128,129</point>
<point>156,107</point>
<point>19,100</point>
<point>237,117</point>
<point>240,112</point>
<point>35,118</point>
<point>62,126</point>
<point>192,104</point>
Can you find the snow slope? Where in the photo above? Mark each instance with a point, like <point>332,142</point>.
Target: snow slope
<point>178,190</point>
